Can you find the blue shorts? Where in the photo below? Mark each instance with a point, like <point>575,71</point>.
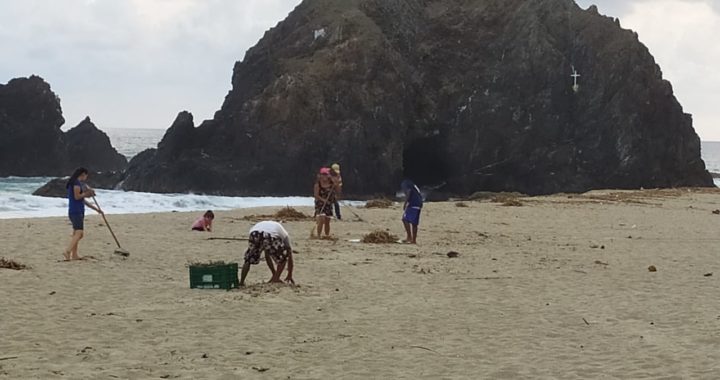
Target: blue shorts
<point>77,221</point>
<point>412,215</point>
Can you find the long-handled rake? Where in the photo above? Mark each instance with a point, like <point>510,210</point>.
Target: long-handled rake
<point>120,250</point>
<point>351,208</point>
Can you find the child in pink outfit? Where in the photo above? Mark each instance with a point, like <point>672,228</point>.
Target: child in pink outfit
<point>204,223</point>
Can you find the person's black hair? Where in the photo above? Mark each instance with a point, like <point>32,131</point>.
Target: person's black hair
<point>209,214</point>
<point>407,185</point>
<point>78,172</point>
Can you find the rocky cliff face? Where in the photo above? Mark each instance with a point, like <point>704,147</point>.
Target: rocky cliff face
<point>31,142</point>
<point>181,164</point>
<point>475,94</point>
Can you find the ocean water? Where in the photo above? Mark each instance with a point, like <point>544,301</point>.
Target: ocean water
<point>130,142</point>
<point>711,156</point>
<point>17,201</point>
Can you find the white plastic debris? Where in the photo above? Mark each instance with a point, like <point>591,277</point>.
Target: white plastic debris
<point>319,33</point>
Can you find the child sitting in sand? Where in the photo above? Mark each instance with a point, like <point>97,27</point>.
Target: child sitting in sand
<point>271,238</point>
<point>204,223</point>
<point>411,210</point>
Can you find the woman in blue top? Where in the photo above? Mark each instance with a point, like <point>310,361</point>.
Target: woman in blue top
<point>77,192</point>
<point>411,210</point>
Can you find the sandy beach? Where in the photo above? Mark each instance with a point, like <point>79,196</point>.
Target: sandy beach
<point>556,289</point>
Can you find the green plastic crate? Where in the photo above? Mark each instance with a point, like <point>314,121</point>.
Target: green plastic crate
<point>221,276</point>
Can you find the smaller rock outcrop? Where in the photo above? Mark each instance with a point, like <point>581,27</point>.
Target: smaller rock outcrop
<point>55,188</point>
<point>181,165</point>
<point>32,143</point>
<point>90,147</point>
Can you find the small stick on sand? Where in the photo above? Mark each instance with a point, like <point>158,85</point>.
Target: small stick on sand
<point>426,349</point>
<point>586,322</point>
<point>9,357</point>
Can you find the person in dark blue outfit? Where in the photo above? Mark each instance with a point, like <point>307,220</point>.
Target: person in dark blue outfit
<point>77,191</point>
<point>411,210</point>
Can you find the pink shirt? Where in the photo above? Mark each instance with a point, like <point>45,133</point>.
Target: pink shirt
<point>202,222</point>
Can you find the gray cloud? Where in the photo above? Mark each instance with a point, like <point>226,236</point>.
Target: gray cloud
<point>133,63</point>
<point>617,8</point>
<point>136,63</point>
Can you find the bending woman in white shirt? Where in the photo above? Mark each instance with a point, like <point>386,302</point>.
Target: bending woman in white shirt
<point>271,238</point>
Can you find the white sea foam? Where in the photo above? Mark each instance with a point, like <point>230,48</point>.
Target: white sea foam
<point>120,202</point>
<point>16,201</point>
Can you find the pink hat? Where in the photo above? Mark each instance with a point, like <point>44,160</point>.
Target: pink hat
<point>324,170</point>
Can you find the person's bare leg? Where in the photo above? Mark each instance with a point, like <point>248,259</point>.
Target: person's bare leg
<point>75,247</point>
<point>409,237</point>
<point>327,226</point>
<point>74,251</point>
<point>77,244</point>
<point>290,268</point>
<point>269,262</point>
<point>244,273</point>
<point>74,243</point>
<point>414,233</point>
<point>278,273</point>
<point>66,251</point>
<point>320,220</point>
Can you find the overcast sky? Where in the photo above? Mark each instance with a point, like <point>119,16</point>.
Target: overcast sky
<point>136,63</point>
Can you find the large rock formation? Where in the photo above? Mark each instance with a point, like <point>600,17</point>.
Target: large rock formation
<point>31,142</point>
<point>476,94</point>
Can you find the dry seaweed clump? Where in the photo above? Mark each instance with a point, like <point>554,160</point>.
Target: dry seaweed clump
<point>481,196</point>
<point>512,203</point>
<point>285,214</point>
<point>501,197</point>
<point>209,264</point>
<point>508,199</point>
<point>11,264</point>
<point>461,204</point>
<point>289,213</point>
<point>634,196</point>
<point>379,203</point>
<point>380,237</point>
